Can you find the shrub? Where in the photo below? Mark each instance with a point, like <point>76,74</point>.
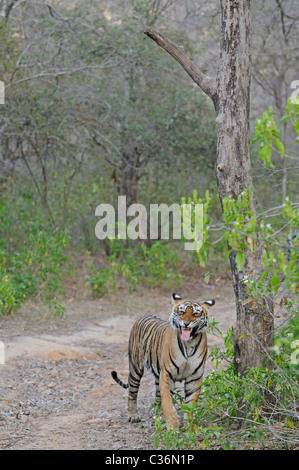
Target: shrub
<point>34,263</point>
<point>101,281</point>
<point>7,293</point>
<point>151,266</point>
<point>257,409</point>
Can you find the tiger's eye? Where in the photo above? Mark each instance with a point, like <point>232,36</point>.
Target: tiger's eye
<point>197,311</point>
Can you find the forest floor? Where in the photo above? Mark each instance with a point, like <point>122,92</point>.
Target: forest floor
<point>56,389</point>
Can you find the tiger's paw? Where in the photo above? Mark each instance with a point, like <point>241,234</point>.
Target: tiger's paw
<point>172,422</point>
<point>134,419</point>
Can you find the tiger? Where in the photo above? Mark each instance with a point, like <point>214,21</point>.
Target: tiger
<point>174,350</point>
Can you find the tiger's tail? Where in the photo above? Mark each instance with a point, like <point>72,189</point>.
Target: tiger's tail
<point>117,380</point>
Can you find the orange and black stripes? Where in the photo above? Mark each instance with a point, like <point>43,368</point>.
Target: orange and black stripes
<point>173,350</point>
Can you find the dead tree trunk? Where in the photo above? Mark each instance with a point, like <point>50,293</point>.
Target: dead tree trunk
<point>230,92</point>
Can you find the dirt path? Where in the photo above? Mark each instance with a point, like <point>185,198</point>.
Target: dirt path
<point>56,391</point>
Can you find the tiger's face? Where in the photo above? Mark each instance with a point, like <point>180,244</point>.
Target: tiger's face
<point>189,318</point>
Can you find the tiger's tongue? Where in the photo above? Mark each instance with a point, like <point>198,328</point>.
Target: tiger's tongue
<point>186,333</point>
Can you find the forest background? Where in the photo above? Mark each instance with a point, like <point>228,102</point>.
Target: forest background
<point>94,110</point>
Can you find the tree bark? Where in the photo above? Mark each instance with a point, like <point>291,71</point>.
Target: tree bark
<point>129,178</point>
<point>230,92</point>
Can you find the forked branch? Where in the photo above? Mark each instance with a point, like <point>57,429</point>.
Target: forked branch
<point>207,84</point>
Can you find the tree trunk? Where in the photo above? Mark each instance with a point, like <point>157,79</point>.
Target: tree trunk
<point>230,92</point>
<point>129,179</point>
<point>254,327</point>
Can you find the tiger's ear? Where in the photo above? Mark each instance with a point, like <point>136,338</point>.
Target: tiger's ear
<point>210,303</point>
<point>176,298</point>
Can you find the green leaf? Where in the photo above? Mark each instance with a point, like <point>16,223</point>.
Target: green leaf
<point>275,282</point>
<point>264,275</point>
<point>187,407</point>
<point>243,245</point>
<point>280,147</point>
<point>256,138</point>
<point>284,118</point>
<point>240,260</point>
<point>244,335</point>
<point>290,423</point>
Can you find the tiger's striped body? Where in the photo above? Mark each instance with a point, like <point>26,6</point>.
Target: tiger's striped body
<point>173,350</point>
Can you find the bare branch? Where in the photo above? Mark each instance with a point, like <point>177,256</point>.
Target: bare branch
<point>207,84</point>
<point>53,73</point>
<point>116,149</point>
<point>57,16</point>
<point>7,6</point>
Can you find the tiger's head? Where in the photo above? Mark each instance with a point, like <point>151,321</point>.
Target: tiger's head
<point>189,318</point>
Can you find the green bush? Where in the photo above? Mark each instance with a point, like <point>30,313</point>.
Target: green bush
<point>33,257</point>
<point>101,281</point>
<point>259,408</point>
<point>234,411</point>
<point>7,293</point>
<point>150,266</point>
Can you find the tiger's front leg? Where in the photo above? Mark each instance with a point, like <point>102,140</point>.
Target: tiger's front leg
<point>166,388</point>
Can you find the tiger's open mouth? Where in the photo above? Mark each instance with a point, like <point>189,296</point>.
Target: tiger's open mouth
<point>186,332</point>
